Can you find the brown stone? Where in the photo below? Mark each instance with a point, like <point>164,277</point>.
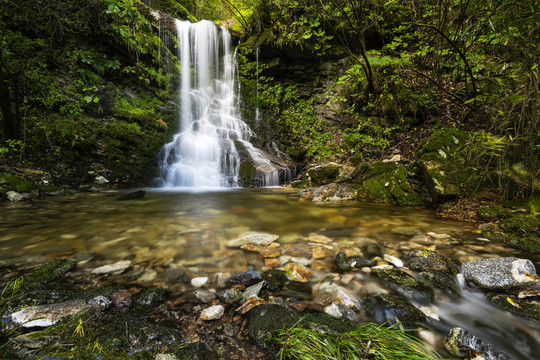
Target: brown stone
<point>298,272</point>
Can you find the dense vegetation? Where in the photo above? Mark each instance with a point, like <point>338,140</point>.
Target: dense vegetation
<point>86,86</point>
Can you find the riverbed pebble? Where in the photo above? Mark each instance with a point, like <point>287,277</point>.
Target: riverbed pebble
<point>199,281</point>
<point>213,313</point>
<point>298,272</point>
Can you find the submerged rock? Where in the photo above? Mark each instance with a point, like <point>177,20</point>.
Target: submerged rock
<point>47,315</point>
<point>500,273</point>
<point>427,260</point>
<point>116,268</point>
<point>133,195</point>
<point>253,239</point>
<point>246,278</point>
<point>464,344</point>
<point>344,263</point>
<point>406,285</point>
<point>442,281</point>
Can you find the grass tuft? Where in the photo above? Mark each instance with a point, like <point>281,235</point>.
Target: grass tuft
<point>368,341</point>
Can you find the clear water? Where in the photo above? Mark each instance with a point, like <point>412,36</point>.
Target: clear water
<point>191,227</point>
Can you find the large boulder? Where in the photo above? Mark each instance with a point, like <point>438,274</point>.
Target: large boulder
<point>324,174</point>
<point>499,274</point>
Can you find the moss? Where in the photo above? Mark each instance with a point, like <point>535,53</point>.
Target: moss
<point>530,205</point>
<point>300,184</point>
<point>528,307</point>
<point>521,225</point>
<point>48,272</point>
<point>93,334</point>
<point>392,310</point>
<point>375,189</point>
<point>402,191</point>
<point>442,281</point>
<point>445,140</point>
<point>405,284</point>
<point>492,213</point>
<point>275,279</point>
<point>323,174</point>
<point>247,173</point>
<point>15,183</point>
<point>265,319</point>
<point>326,324</point>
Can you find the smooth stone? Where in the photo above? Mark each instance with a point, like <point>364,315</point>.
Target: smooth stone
<point>254,239</point>
<point>200,281</point>
<point>341,311</point>
<point>213,313</point>
<point>298,272</point>
<point>293,259</point>
<point>116,268</point>
<point>47,315</point>
<point>246,278</point>
<point>393,259</point>
<point>462,343</point>
<point>176,275</point>
<point>205,296</point>
<point>100,302</point>
<point>319,239</point>
<point>500,273</point>
<point>271,251</point>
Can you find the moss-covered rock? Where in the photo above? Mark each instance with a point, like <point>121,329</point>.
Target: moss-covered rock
<point>264,319</point>
<point>528,307</point>
<point>427,260</point>
<point>247,173</point>
<point>344,263</point>
<point>491,213</point>
<point>406,285</point>
<point>521,225</point>
<point>527,205</point>
<point>48,272</point>
<point>275,279</point>
<point>323,174</point>
<point>441,280</point>
<point>392,310</point>
<point>15,183</point>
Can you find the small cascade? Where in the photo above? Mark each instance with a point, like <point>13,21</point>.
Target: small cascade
<point>258,115</point>
<point>212,141</point>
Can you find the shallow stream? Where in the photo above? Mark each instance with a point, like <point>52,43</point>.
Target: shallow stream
<point>191,229</point>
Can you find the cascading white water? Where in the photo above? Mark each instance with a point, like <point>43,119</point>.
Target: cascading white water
<point>204,153</point>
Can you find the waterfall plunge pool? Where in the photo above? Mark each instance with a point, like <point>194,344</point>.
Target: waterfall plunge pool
<point>190,228</point>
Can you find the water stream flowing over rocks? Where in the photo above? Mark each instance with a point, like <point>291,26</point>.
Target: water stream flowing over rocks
<point>224,269</point>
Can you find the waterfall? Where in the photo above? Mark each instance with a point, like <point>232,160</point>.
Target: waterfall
<point>212,141</point>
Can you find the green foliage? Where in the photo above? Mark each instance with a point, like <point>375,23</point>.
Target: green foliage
<point>367,140</point>
<point>369,340</point>
<point>298,119</point>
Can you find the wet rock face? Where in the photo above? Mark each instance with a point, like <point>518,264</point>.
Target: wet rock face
<point>500,273</point>
<point>464,344</point>
<point>426,260</point>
